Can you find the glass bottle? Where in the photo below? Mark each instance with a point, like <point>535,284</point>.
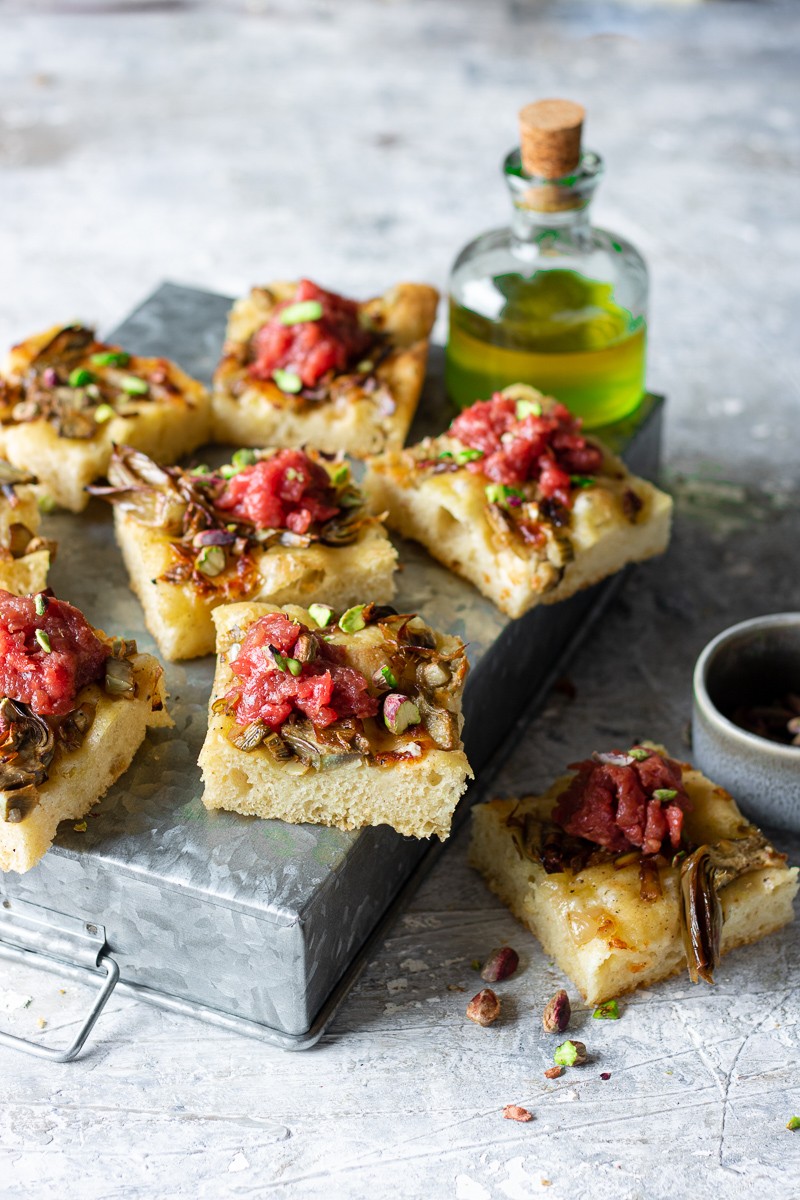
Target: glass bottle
<point>551,300</point>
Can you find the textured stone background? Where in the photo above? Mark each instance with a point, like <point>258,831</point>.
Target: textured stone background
<point>356,142</point>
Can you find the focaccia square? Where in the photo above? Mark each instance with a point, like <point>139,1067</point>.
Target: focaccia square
<point>528,542</point>
<point>403,765</point>
<point>618,920</point>
<point>360,408</point>
<point>24,556</point>
<point>66,398</point>
<point>55,768</point>
<point>186,554</point>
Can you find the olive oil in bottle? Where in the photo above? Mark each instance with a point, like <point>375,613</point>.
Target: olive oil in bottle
<point>550,301</point>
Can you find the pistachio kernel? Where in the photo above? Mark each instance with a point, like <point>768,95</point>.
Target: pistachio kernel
<point>570,1054</point>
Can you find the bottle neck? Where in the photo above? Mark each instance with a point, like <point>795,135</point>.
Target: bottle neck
<point>551,211</point>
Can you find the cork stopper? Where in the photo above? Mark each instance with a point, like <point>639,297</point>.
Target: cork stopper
<point>550,137</point>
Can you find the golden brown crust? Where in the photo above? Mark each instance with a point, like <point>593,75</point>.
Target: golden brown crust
<point>252,412</point>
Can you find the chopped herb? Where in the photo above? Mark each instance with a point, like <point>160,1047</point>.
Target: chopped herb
<point>295,666</point>
<point>43,640</point>
<point>340,474</point>
<point>243,458</point>
<point>389,676</point>
<point>582,481</point>
<point>352,620</point>
<point>528,408</point>
<point>664,794</point>
<point>793,1123</point>
<point>297,314</point>
<point>465,456</point>
<point>111,358</point>
<point>321,614</point>
<point>639,755</point>
<point>40,604</point>
<point>365,367</point>
<point>287,381</point>
<point>103,413</point>
<point>80,377</point>
<point>134,386</point>
<point>607,1011</point>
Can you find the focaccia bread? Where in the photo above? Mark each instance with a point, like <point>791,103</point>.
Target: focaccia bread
<point>302,365</point>
<point>76,707</point>
<point>24,556</point>
<point>67,398</point>
<point>619,915</point>
<point>516,500</point>
<point>284,526</point>
<point>347,722</point>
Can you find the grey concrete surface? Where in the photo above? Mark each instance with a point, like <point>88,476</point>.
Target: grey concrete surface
<point>218,145</point>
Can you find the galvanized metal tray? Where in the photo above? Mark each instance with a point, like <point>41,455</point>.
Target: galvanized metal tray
<point>257,925</point>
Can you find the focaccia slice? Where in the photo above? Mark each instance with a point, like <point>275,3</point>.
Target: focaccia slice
<point>24,556</point>
<point>66,398</point>
<point>517,544</point>
<point>609,926</point>
<point>55,768</point>
<point>360,410</point>
<point>186,554</point>
<point>404,766</point>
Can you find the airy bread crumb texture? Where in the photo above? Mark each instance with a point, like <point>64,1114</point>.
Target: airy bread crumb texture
<point>78,779</point>
<point>594,923</point>
<point>416,797</point>
<point>179,616</point>
<point>252,412</point>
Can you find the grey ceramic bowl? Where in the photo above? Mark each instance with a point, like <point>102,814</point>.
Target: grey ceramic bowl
<point>750,663</point>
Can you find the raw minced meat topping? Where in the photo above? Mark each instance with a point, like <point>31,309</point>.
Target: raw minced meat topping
<point>521,441</point>
<point>308,346</point>
<point>625,801</point>
<point>45,659</point>
<point>282,669</point>
<point>287,491</point>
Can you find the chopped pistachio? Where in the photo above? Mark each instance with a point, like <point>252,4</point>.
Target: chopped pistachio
<point>243,458</point>
<point>287,381</point>
<point>607,1011</point>
<point>295,667</point>
<point>43,640</point>
<point>570,1054</point>
<point>446,454</point>
<point>639,754</point>
<point>470,455</point>
<point>111,358</point>
<point>228,470</point>
<point>500,493</point>
<point>79,827</point>
<point>321,614</point>
<point>211,560</point>
<point>389,676</point>
<point>353,619</point>
<point>365,366</point>
<point>40,604</point>
<point>664,794</point>
<point>134,386</point>
<point>201,469</point>
<point>528,408</point>
<point>279,659</point>
<point>793,1123</point>
<point>340,474</point>
<point>400,713</point>
<point>297,314</point>
<point>80,377</point>
<point>103,413</point>
<point>582,481</point>
<point>46,504</point>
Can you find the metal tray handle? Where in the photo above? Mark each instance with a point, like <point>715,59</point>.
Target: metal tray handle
<point>54,1053</point>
